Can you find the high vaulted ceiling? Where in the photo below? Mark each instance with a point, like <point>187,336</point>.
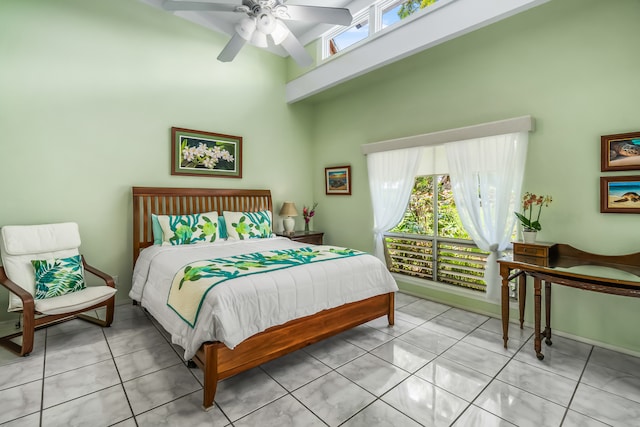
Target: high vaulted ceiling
<point>445,20</point>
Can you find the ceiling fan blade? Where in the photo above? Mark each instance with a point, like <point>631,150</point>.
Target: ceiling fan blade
<point>231,49</point>
<point>328,15</point>
<point>296,50</point>
<point>198,6</point>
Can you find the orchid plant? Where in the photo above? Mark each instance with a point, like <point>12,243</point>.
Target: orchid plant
<point>529,203</point>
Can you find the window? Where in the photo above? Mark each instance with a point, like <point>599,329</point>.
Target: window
<point>350,36</point>
<point>431,243</point>
<point>390,13</point>
<point>383,14</point>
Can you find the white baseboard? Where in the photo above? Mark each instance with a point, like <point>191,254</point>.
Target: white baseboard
<point>531,325</point>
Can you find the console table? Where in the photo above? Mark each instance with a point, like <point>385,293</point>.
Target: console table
<point>564,265</point>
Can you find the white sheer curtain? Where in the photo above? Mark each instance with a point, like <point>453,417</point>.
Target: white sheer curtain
<point>391,177</point>
<point>486,177</point>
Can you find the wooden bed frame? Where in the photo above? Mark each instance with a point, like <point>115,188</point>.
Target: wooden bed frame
<point>215,359</point>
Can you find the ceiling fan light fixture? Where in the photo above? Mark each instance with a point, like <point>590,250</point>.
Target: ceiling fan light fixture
<point>259,39</point>
<point>266,22</point>
<point>280,33</point>
<point>246,28</point>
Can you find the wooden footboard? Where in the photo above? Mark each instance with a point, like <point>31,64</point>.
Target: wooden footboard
<point>218,362</point>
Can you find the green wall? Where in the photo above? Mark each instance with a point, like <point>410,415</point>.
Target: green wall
<point>89,90</point>
<point>573,65</point>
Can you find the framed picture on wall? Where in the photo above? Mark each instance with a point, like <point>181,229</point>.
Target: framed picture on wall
<point>620,194</point>
<point>199,153</point>
<point>338,180</point>
<point>620,152</point>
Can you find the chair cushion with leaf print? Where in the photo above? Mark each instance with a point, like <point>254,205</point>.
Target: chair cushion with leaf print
<point>44,260</point>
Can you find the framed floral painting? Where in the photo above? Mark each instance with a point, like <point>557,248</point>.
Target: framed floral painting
<point>200,153</point>
<point>338,180</point>
<point>620,152</point>
<point>620,194</point>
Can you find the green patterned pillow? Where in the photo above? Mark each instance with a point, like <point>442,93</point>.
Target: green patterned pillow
<point>248,225</point>
<point>189,229</point>
<point>56,277</point>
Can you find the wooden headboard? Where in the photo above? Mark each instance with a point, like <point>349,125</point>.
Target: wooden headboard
<point>183,201</point>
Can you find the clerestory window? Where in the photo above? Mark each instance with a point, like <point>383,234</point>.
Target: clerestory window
<point>380,15</point>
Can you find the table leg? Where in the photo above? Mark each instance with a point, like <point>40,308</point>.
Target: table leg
<point>537,341</point>
<point>547,306</point>
<point>522,296</point>
<point>504,272</point>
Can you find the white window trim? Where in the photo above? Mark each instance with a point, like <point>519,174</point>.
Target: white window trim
<point>358,18</point>
<point>500,127</point>
<point>374,15</point>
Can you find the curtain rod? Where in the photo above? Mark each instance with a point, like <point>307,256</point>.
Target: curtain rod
<point>500,127</point>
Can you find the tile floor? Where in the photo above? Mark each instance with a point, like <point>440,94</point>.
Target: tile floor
<point>439,366</point>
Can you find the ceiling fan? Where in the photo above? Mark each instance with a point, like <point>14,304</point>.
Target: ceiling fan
<point>264,18</point>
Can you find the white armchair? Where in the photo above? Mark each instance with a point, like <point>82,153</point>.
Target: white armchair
<point>44,273</point>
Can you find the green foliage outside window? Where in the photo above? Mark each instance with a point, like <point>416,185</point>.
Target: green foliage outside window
<point>419,216</point>
<point>409,7</point>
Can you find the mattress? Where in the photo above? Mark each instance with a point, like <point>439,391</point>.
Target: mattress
<point>239,308</point>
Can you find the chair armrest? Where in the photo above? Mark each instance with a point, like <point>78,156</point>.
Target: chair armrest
<point>104,276</point>
<point>25,296</point>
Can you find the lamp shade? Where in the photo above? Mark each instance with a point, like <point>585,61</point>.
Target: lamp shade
<point>288,209</point>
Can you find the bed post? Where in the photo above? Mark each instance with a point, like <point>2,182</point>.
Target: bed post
<point>392,308</point>
<point>210,374</point>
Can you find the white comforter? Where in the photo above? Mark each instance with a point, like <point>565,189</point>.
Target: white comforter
<point>237,309</point>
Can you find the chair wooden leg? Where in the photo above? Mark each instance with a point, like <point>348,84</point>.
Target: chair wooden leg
<point>27,341</point>
<point>28,328</point>
<point>27,334</point>
<point>20,350</point>
<point>108,315</point>
<point>110,309</point>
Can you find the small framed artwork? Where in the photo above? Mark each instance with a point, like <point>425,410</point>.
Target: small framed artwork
<point>338,180</point>
<point>620,194</point>
<point>200,153</point>
<point>620,152</point>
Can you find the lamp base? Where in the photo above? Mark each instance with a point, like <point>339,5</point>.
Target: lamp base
<point>289,223</point>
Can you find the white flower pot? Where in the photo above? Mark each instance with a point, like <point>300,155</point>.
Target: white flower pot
<point>529,236</point>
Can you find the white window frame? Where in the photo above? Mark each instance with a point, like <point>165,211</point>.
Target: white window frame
<point>373,14</point>
<point>380,6</point>
<point>358,19</point>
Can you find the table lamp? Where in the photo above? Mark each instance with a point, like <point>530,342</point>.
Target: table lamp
<point>288,211</point>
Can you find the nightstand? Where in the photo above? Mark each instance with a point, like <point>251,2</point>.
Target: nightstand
<point>310,237</point>
<point>537,249</point>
